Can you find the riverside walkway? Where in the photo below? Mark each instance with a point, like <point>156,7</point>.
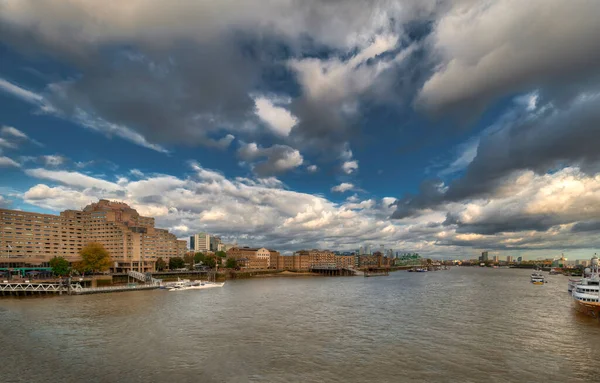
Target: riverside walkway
<point>44,288</point>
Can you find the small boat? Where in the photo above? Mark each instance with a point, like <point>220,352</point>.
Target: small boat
<point>199,285</point>
<point>179,283</point>
<point>537,278</point>
<point>555,271</point>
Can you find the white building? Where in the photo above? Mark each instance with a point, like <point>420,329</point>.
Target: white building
<point>200,242</point>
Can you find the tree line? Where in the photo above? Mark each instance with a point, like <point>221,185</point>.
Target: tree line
<point>95,258</point>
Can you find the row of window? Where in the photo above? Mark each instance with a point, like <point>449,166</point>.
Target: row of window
<point>588,300</point>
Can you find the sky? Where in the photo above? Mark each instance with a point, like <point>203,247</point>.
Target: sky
<point>445,128</point>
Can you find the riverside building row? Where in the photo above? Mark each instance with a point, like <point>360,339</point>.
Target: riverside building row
<point>263,258</point>
<point>32,239</point>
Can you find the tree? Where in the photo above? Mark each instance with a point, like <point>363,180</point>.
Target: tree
<point>199,257</point>
<point>79,268</point>
<point>189,261</point>
<point>94,257</point>
<point>160,264</point>
<point>176,263</point>
<point>60,266</point>
<point>221,254</point>
<point>231,263</point>
<point>210,261</point>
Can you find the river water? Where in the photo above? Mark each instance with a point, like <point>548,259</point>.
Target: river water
<point>461,325</point>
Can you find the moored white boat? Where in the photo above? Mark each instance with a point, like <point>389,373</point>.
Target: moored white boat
<point>586,292</point>
<point>178,283</point>
<point>198,285</point>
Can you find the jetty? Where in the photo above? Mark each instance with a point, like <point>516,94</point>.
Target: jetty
<point>22,289</point>
<point>333,270</point>
<point>377,272</point>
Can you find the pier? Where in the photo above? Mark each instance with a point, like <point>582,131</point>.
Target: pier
<point>377,272</point>
<point>332,271</point>
<point>23,289</point>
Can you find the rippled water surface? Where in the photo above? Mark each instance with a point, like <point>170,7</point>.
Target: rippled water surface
<point>461,325</point>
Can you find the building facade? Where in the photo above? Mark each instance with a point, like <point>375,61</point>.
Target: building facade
<point>484,256</point>
<point>252,258</point>
<point>200,242</point>
<point>32,239</point>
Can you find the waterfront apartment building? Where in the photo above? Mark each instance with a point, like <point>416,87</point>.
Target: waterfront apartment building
<point>304,260</point>
<point>252,258</point>
<point>32,239</point>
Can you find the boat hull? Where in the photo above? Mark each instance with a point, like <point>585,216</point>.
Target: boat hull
<point>588,308</point>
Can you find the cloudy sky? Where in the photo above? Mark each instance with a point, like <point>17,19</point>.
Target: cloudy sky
<point>431,126</point>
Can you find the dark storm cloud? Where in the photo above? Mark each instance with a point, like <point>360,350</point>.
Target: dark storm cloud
<point>176,96</point>
<point>270,161</point>
<point>515,223</point>
<point>322,127</point>
<point>588,226</point>
<point>186,74</point>
<point>556,138</point>
<point>559,50</point>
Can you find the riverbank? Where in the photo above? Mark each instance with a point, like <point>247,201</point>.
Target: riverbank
<point>287,273</point>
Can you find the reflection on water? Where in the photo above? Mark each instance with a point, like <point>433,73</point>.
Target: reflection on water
<point>463,325</point>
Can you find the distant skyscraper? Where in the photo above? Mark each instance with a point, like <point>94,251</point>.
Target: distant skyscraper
<point>509,258</point>
<point>361,251</point>
<point>200,241</point>
<point>484,257</point>
<point>496,258</point>
<point>369,250</point>
<point>520,259</point>
<point>215,243</point>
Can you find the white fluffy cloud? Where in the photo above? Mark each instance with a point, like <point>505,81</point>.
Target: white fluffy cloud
<point>343,187</point>
<point>53,160</point>
<point>253,212</point>
<point>350,167</point>
<point>334,80</point>
<point>73,179</point>
<point>264,212</point>
<point>279,119</point>
<point>8,162</point>
<point>12,131</point>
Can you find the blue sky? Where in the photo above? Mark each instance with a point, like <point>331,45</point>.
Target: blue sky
<point>440,127</point>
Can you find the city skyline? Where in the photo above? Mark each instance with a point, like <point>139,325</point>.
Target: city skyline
<point>316,125</point>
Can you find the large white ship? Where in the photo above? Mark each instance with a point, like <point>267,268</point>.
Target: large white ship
<point>586,292</point>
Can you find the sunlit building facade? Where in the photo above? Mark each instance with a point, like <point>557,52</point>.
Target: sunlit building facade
<point>32,239</point>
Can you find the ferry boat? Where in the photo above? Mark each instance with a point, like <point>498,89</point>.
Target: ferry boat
<point>575,281</point>
<point>537,278</point>
<point>586,293</point>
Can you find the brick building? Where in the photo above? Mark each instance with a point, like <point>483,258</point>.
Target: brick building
<point>253,258</point>
<point>32,239</point>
